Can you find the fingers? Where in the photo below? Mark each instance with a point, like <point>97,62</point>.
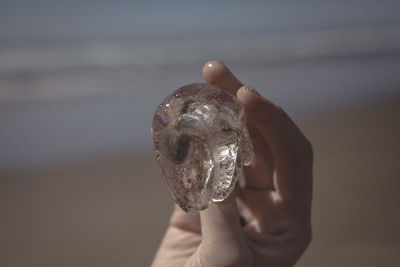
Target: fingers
<point>291,151</point>
<point>216,73</point>
<point>288,144</point>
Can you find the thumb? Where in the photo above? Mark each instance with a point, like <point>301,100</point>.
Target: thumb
<point>223,242</point>
<point>220,222</point>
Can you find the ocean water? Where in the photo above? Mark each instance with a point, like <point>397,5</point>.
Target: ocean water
<point>79,79</point>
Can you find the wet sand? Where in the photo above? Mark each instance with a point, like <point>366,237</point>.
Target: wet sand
<point>112,210</point>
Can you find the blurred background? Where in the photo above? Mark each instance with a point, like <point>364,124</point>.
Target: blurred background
<point>80,80</point>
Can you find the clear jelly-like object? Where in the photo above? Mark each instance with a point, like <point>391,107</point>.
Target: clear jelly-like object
<point>201,142</point>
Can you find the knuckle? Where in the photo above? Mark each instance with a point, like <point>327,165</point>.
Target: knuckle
<point>300,155</point>
<point>305,235</point>
<point>308,150</point>
<point>307,238</point>
<point>303,239</point>
<point>304,153</point>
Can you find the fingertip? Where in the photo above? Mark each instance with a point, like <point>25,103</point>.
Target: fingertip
<point>221,221</point>
<point>252,101</point>
<point>216,73</point>
<point>247,95</point>
<point>213,70</point>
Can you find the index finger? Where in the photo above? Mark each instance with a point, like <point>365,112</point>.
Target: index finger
<point>216,73</point>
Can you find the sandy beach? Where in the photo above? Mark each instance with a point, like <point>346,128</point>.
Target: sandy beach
<point>79,83</point>
<point>112,210</point>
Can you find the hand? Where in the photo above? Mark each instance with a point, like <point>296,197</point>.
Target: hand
<point>266,223</point>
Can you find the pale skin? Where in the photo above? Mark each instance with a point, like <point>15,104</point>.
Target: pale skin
<point>274,207</point>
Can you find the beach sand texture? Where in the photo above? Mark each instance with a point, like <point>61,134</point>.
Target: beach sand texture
<point>79,83</point>
<point>113,210</point>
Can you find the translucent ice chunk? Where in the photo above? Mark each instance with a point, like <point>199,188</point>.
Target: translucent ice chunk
<point>201,142</point>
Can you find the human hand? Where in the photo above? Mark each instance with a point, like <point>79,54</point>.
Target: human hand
<point>265,223</point>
